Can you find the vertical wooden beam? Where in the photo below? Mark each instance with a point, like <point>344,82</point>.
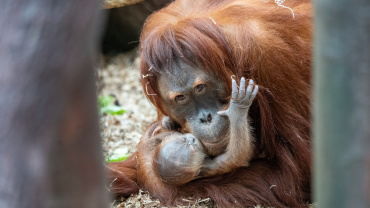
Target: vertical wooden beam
<point>50,154</point>
<point>342,103</point>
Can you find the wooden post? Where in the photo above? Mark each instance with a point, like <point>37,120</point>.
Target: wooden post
<point>50,154</point>
<point>342,103</point>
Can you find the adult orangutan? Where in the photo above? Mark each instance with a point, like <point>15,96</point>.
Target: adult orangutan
<point>169,158</point>
<point>176,158</point>
<point>188,52</point>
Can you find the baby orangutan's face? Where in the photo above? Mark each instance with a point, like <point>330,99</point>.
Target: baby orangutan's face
<point>182,149</point>
<point>179,157</point>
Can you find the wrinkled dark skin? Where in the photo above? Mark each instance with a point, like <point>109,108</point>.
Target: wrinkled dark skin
<point>180,158</point>
<point>192,98</point>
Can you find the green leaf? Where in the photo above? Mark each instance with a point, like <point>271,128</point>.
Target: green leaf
<point>105,100</point>
<point>106,106</point>
<point>119,159</point>
<point>113,110</point>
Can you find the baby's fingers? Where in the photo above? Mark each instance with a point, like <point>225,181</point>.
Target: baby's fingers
<point>250,88</point>
<point>254,93</point>
<point>241,89</point>
<point>234,90</point>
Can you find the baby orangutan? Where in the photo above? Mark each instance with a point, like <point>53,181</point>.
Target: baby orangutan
<point>180,158</point>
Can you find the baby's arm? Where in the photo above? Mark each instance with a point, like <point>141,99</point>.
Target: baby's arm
<point>240,148</point>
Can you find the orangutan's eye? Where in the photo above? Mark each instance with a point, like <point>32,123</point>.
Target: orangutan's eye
<point>200,87</point>
<point>180,98</point>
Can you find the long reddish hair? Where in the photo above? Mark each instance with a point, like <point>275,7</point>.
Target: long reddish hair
<point>257,40</point>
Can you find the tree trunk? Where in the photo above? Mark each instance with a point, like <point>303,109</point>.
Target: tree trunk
<point>342,103</point>
<point>50,154</point>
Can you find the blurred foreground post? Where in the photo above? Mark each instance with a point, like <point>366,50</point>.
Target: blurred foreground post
<point>342,103</point>
<point>50,154</point>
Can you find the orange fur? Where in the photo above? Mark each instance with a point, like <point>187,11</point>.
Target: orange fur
<point>258,40</point>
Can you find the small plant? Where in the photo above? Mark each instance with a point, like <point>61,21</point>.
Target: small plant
<point>106,106</point>
<point>116,159</point>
